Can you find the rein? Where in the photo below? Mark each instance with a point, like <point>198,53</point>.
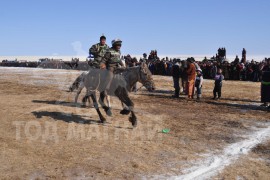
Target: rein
<point>140,79</point>
<point>140,73</point>
<point>138,89</point>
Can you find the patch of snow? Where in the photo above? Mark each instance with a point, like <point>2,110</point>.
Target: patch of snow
<point>214,164</point>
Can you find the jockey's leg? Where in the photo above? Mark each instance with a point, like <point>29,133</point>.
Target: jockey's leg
<point>109,78</point>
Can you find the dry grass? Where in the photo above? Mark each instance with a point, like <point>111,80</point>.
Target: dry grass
<point>115,151</point>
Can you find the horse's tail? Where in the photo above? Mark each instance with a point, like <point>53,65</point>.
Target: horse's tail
<point>77,82</point>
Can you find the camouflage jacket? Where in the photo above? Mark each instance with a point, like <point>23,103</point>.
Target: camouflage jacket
<point>98,52</point>
<point>112,59</point>
<point>143,60</point>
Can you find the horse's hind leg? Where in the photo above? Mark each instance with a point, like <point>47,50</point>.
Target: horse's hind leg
<point>77,96</point>
<point>94,98</point>
<point>101,101</point>
<point>89,101</point>
<point>78,93</point>
<point>84,100</point>
<point>87,98</point>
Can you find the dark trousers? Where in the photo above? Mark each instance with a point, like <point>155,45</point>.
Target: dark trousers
<point>217,90</point>
<point>176,83</point>
<point>265,93</point>
<point>199,91</point>
<point>176,86</point>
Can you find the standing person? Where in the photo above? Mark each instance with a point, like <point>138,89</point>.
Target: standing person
<point>265,86</point>
<point>98,51</point>
<point>198,84</point>
<point>144,59</point>
<point>214,69</point>
<point>244,56</point>
<point>196,64</point>
<point>219,52</point>
<point>191,72</point>
<point>176,77</point>
<point>236,60</point>
<point>128,60</point>
<point>218,84</point>
<point>184,78</point>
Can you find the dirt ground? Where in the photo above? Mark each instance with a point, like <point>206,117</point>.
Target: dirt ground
<point>46,136</point>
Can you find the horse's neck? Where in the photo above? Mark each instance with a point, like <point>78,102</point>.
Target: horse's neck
<point>132,77</point>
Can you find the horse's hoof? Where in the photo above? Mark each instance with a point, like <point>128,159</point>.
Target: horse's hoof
<point>102,120</point>
<point>133,121</point>
<point>109,112</point>
<point>124,112</point>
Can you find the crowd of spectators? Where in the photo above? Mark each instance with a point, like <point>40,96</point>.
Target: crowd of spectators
<point>236,70</point>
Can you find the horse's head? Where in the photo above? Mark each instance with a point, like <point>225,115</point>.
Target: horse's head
<point>146,77</point>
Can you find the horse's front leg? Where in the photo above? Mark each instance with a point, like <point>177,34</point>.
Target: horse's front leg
<point>133,119</point>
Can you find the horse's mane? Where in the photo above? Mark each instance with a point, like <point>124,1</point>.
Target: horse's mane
<point>123,70</point>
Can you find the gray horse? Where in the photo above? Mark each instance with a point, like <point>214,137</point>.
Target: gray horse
<point>122,83</point>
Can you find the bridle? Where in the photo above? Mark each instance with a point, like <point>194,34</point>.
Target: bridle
<point>140,76</point>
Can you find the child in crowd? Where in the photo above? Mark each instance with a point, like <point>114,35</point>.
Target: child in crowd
<point>218,84</point>
<point>198,83</point>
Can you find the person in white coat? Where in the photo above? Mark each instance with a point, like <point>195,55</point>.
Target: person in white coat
<point>198,83</point>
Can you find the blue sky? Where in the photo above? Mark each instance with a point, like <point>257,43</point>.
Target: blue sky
<point>198,27</point>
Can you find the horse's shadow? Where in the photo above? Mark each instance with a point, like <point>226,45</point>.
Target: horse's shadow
<point>162,96</point>
<point>60,116</point>
<point>160,91</point>
<point>69,118</point>
<point>166,95</point>
<point>240,106</point>
<point>62,103</point>
<point>243,100</point>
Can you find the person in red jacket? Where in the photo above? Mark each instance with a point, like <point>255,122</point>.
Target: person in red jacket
<point>191,72</point>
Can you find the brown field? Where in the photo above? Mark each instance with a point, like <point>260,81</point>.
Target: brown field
<point>43,136</point>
